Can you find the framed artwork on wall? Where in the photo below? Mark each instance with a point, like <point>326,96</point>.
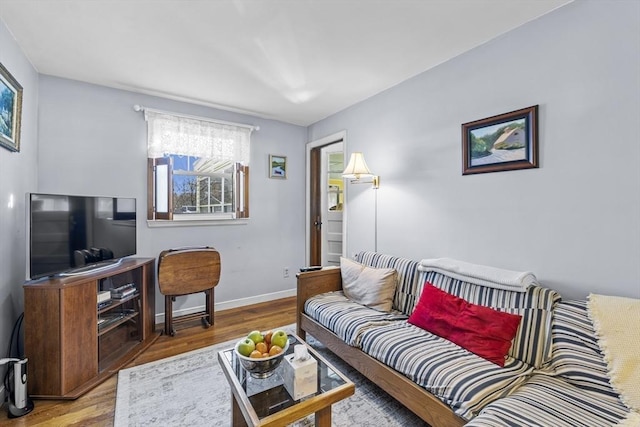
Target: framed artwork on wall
<point>10,110</point>
<point>504,142</point>
<point>277,166</point>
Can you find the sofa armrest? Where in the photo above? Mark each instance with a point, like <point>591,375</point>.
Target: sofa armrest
<point>312,283</point>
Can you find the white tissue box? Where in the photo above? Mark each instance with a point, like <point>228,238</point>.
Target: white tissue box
<point>300,376</point>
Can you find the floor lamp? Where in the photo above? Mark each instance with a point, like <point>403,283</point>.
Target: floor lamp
<point>358,172</point>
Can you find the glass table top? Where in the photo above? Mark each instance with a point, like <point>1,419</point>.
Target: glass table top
<point>268,395</point>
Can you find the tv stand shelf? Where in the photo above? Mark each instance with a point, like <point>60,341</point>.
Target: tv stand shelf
<point>113,323</point>
<point>72,345</point>
<point>116,304</point>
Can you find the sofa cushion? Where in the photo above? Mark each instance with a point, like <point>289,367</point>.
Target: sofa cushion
<point>369,286</point>
<point>406,294</point>
<point>459,378</point>
<point>576,355</point>
<point>532,343</point>
<point>345,318</point>
<point>551,401</point>
<point>481,330</point>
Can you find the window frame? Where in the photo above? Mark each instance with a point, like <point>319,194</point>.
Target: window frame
<point>191,136</point>
<point>240,194</point>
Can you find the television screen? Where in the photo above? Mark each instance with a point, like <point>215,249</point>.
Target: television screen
<point>74,232</point>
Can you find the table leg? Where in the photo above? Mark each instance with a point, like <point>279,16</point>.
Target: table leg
<point>237,419</point>
<point>209,304</point>
<point>323,417</point>
<point>168,315</point>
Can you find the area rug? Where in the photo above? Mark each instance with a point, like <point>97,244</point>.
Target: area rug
<point>190,389</point>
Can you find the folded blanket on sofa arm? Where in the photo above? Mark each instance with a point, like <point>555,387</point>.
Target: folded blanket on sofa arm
<point>480,274</point>
<point>616,321</point>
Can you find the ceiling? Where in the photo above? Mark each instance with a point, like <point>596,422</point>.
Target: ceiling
<point>296,61</point>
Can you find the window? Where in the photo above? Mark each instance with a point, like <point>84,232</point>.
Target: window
<point>197,169</point>
<point>335,182</point>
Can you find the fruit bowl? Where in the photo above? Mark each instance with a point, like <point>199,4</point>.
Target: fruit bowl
<point>264,367</point>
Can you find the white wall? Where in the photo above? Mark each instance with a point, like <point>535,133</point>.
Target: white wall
<point>93,142</point>
<point>18,174</point>
<point>575,221</point>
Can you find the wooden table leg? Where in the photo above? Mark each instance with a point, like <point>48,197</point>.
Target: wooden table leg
<point>168,315</point>
<point>237,419</point>
<point>209,304</point>
<point>323,417</point>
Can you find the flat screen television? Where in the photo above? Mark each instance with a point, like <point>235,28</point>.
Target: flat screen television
<point>71,234</point>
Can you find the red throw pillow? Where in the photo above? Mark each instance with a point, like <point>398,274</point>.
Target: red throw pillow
<point>479,329</point>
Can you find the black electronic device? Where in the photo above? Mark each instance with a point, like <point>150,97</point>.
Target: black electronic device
<point>124,291</point>
<point>311,268</point>
<point>71,233</point>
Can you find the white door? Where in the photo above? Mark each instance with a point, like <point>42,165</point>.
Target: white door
<point>332,203</point>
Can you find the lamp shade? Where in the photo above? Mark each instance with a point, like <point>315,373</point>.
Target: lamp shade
<point>357,167</point>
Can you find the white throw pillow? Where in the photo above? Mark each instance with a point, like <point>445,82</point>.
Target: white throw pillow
<point>373,287</point>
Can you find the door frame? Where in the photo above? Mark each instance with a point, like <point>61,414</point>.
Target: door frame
<point>327,140</point>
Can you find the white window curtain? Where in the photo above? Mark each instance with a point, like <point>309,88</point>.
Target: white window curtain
<point>168,134</point>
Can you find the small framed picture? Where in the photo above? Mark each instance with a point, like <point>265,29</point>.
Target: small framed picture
<point>277,166</point>
<point>10,110</point>
<point>500,143</point>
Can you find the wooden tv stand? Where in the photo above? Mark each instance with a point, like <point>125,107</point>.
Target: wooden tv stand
<point>71,343</point>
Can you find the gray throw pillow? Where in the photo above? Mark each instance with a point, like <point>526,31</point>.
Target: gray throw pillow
<point>372,287</point>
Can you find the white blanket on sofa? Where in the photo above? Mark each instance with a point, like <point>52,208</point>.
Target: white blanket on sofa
<point>616,321</point>
<point>480,274</point>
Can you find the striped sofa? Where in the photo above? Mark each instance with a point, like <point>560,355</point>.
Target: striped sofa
<point>445,384</point>
<point>572,390</point>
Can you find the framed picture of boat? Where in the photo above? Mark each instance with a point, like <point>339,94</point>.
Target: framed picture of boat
<point>277,166</point>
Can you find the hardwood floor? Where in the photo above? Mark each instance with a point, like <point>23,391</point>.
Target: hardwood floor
<point>96,408</point>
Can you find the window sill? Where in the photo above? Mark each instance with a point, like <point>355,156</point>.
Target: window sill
<point>160,223</point>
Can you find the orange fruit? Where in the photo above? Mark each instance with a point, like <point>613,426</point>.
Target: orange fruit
<point>255,354</point>
<point>262,347</point>
<point>275,350</point>
<point>267,337</point>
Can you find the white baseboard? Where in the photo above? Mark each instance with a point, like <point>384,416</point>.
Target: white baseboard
<point>231,304</point>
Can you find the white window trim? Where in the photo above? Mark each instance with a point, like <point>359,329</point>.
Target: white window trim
<point>241,155</point>
<point>192,222</point>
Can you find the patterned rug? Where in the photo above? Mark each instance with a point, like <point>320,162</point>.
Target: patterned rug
<point>190,389</point>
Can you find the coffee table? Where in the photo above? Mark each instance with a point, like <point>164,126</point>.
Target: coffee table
<point>266,402</point>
